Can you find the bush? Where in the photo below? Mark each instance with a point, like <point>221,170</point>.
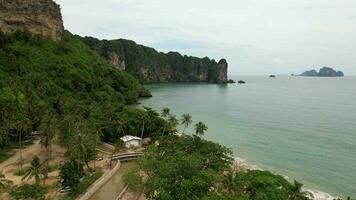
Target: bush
<point>25,192</point>
<point>84,184</point>
<point>71,173</point>
<point>134,181</point>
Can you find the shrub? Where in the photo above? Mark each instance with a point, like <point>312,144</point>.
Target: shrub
<point>25,192</point>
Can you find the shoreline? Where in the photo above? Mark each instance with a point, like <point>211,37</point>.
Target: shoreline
<point>315,194</point>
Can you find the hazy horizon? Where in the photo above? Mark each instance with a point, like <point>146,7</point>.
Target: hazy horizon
<point>257,37</point>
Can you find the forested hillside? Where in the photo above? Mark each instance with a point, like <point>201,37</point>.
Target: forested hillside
<point>38,74</point>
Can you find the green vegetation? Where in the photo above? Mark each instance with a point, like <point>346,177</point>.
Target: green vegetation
<point>200,128</point>
<point>159,67</point>
<point>186,121</point>
<point>83,185</point>
<point>37,170</point>
<point>43,80</point>
<point>5,151</point>
<point>71,173</point>
<point>65,89</point>
<point>182,167</point>
<point>189,167</point>
<point>26,191</point>
<point>20,172</point>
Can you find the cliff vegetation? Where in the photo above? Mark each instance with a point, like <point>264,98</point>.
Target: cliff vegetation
<point>150,66</point>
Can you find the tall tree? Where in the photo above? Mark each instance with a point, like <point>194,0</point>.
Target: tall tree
<point>165,113</point>
<point>172,122</point>
<point>82,142</point>
<point>19,121</point>
<point>200,128</point>
<point>120,126</point>
<point>186,121</point>
<point>48,130</point>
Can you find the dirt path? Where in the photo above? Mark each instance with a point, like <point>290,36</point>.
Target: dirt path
<point>12,165</point>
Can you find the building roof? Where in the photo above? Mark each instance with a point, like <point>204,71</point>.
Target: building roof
<point>128,138</point>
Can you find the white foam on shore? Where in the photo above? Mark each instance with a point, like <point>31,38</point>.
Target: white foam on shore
<point>318,195</point>
<point>313,194</point>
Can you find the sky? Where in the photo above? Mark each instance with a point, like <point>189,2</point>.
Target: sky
<point>257,37</point>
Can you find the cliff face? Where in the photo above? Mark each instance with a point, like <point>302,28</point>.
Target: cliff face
<point>150,66</point>
<point>38,17</point>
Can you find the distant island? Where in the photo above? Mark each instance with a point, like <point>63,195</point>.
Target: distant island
<point>323,72</point>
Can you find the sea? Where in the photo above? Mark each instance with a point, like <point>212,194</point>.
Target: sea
<point>303,128</point>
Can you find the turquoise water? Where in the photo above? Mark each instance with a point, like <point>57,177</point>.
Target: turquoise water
<point>301,127</point>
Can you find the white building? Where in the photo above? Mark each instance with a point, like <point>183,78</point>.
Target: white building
<point>131,141</point>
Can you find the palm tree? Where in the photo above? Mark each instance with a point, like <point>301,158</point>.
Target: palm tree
<point>21,125</point>
<point>37,170</point>
<point>165,113</point>
<point>297,193</point>
<point>82,144</point>
<point>200,129</point>
<point>19,122</point>
<point>172,122</point>
<point>186,121</point>
<point>229,182</point>
<point>4,183</point>
<point>48,131</point>
<point>120,125</point>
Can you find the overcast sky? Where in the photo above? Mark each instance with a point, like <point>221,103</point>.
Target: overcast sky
<point>255,36</point>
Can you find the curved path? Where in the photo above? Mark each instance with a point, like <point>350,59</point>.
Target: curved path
<point>99,183</point>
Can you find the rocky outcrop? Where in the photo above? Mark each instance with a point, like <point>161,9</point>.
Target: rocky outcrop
<point>222,71</point>
<point>323,72</point>
<point>116,60</point>
<point>38,17</point>
<point>150,66</point>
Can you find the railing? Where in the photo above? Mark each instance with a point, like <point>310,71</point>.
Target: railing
<point>127,156</point>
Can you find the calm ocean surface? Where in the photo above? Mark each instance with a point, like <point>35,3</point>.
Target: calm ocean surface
<point>301,127</point>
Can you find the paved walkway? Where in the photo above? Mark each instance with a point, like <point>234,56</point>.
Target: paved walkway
<point>99,183</point>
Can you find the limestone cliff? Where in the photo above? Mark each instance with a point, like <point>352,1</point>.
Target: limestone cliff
<point>150,66</point>
<point>38,17</point>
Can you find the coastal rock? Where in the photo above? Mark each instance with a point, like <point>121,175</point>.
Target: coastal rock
<point>144,93</point>
<point>272,76</point>
<point>222,71</point>
<point>231,81</point>
<point>323,72</point>
<point>151,66</point>
<point>241,82</point>
<point>38,17</point>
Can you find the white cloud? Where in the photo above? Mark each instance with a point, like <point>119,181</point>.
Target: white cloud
<point>256,36</point>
